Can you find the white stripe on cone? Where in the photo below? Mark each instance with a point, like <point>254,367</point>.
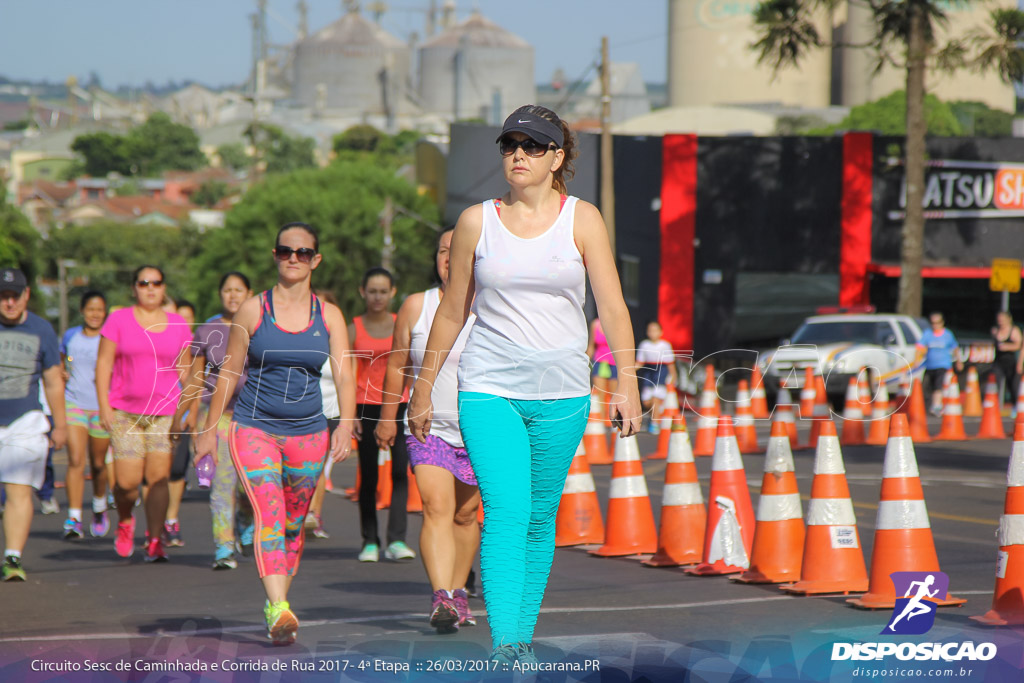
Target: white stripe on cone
<point>727,541</point>
<point>1011,530</point>
<point>1015,473</point>
<point>899,459</point>
<point>778,507</point>
<point>595,427</point>
<point>778,457</point>
<point>679,448</point>
<point>628,487</point>
<point>830,512</point>
<point>578,483</point>
<point>626,449</point>
<point>829,459</point>
<point>682,494</point>
<point>727,455</point>
<point>707,422</point>
<point>902,514</point>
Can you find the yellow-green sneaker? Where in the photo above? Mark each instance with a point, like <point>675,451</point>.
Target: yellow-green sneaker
<point>12,570</point>
<point>282,626</point>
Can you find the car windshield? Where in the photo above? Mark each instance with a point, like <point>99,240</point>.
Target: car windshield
<point>856,332</point>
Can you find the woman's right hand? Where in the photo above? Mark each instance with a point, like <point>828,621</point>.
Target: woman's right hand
<point>420,413</point>
<point>107,418</point>
<point>206,444</point>
<point>385,433</point>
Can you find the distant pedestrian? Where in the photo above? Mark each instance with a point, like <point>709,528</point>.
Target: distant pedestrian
<point>182,454</point>
<point>1007,339</point>
<point>278,434</point>
<point>656,368</point>
<point>87,439</point>
<point>142,363</point>
<point>30,353</point>
<point>941,353</point>
<point>521,263</point>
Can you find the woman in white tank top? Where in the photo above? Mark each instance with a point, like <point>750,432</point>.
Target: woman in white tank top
<point>450,534</point>
<point>524,376</point>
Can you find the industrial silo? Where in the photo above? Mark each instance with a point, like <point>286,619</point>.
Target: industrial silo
<point>352,65</point>
<point>710,61</point>
<point>475,69</point>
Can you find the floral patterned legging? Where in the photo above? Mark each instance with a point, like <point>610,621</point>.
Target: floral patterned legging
<point>280,475</point>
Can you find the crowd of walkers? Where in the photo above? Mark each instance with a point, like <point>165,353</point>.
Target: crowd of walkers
<point>480,385</point>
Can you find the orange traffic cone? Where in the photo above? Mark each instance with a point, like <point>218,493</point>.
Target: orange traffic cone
<point>1008,600</point>
<point>808,394</point>
<point>630,529</point>
<point>784,414</point>
<point>383,479</point>
<point>708,412</point>
<point>595,436</point>
<point>415,502</point>
<point>758,399</point>
<point>779,534</point>
<point>822,411</point>
<point>903,535</point>
<point>579,512</point>
<point>878,430</point>
<point>730,531</point>
<point>1019,406</point>
<point>972,394</point>
<point>352,493</point>
<point>952,412</point>
<point>746,435</point>
<point>683,514</point>
<point>833,561</point>
<point>853,417</point>
<point>991,417</point>
<point>864,392</point>
<point>917,415</point>
<point>669,411</point>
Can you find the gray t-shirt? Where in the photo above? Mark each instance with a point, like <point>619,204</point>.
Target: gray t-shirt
<point>26,350</point>
<point>211,340</point>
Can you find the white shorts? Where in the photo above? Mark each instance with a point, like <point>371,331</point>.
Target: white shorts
<point>648,392</point>
<point>23,448</point>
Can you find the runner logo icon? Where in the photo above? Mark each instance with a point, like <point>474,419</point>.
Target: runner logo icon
<point>914,612</point>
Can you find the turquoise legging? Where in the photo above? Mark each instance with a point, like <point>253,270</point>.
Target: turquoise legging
<point>521,452</point>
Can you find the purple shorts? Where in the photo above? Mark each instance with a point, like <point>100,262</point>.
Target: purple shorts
<point>440,453</point>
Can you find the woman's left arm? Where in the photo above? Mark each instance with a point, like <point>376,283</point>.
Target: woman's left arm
<point>344,382</point>
<point>591,238</point>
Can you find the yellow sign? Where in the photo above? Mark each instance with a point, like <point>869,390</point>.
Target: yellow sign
<point>1005,275</point>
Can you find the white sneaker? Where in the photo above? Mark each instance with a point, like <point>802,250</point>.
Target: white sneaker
<point>369,553</point>
<point>49,507</point>
<point>399,551</point>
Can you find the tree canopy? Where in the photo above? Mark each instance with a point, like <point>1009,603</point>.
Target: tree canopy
<point>156,146</point>
<point>280,152</point>
<point>19,241</point>
<point>888,116</point>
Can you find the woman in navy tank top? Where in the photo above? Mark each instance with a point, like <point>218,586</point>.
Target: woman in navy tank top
<point>278,436</point>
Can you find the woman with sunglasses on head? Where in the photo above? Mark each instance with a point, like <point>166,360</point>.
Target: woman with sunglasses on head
<point>278,433</point>
<point>524,375</point>
<point>229,506</point>
<point>86,437</point>
<point>450,535</point>
<point>142,363</point>
<point>371,335</point>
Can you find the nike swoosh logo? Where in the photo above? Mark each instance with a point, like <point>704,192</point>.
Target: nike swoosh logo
<point>527,121</point>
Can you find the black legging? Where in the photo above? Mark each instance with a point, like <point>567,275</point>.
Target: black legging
<point>1005,365</point>
<point>369,415</point>
<point>182,454</point>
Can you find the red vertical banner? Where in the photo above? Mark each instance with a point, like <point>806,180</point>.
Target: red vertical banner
<point>855,239</point>
<point>678,230</point>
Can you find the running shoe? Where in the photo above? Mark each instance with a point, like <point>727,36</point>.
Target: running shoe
<point>444,616</point>
<point>471,584</point>
<point>245,542</point>
<point>110,499</point>
<point>172,535</point>
<point>461,599</point>
<point>315,526</point>
<point>399,551</point>
<point>504,656</point>
<point>12,570</point>
<point>124,540</point>
<point>526,655</point>
<point>49,507</point>
<point>73,530</point>
<point>155,551</point>
<point>224,559</point>
<point>100,525</point>
<point>282,626</point>
<point>369,553</point>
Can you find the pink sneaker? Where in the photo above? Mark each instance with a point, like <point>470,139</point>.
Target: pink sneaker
<point>124,540</point>
<point>155,551</point>
<point>461,600</point>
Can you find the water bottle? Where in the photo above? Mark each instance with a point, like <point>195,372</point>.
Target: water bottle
<point>205,469</point>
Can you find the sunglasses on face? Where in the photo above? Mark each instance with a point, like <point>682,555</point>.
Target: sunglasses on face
<point>149,283</point>
<point>303,254</point>
<point>531,148</point>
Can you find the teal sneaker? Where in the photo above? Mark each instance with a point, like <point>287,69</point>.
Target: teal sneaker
<point>369,553</point>
<point>398,551</point>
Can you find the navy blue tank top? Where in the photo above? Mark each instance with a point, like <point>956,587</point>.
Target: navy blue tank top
<point>282,393</point>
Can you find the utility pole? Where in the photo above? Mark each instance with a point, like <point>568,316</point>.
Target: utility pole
<point>62,280</point>
<point>607,176</point>
<point>387,216</point>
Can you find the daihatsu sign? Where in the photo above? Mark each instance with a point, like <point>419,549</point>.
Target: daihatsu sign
<point>967,189</point>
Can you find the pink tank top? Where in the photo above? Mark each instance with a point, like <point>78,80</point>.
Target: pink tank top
<point>602,352</point>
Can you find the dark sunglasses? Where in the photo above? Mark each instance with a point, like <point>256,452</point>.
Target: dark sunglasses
<point>531,148</point>
<point>149,283</point>
<point>303,254</point>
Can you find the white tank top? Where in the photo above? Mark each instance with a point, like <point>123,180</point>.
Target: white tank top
<point>444,396</point>
<point>530,338</point>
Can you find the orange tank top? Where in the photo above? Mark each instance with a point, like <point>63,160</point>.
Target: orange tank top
<point>371,364</point>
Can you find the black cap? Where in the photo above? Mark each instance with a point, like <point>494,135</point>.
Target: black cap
<point>12,280</point>
<point>537,127</point>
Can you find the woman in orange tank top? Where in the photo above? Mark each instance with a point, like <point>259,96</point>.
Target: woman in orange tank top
<point>371,334</point>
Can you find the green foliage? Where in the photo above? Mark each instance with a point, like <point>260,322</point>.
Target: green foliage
<point>211,192</point>
<point>127,188</point>
<point>282,153</point>
<point>343,202</point>
<point>107,253</point>
<point>366,143</point>
<point>21,124</point>
<point>234,157</point>
<point>19,241</point>
<point>359,138</point>
<point>156,146</point>
<point>888,116</point>
<point>980,120</point>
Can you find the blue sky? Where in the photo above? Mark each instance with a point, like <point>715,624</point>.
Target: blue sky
<point>134,41</point>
